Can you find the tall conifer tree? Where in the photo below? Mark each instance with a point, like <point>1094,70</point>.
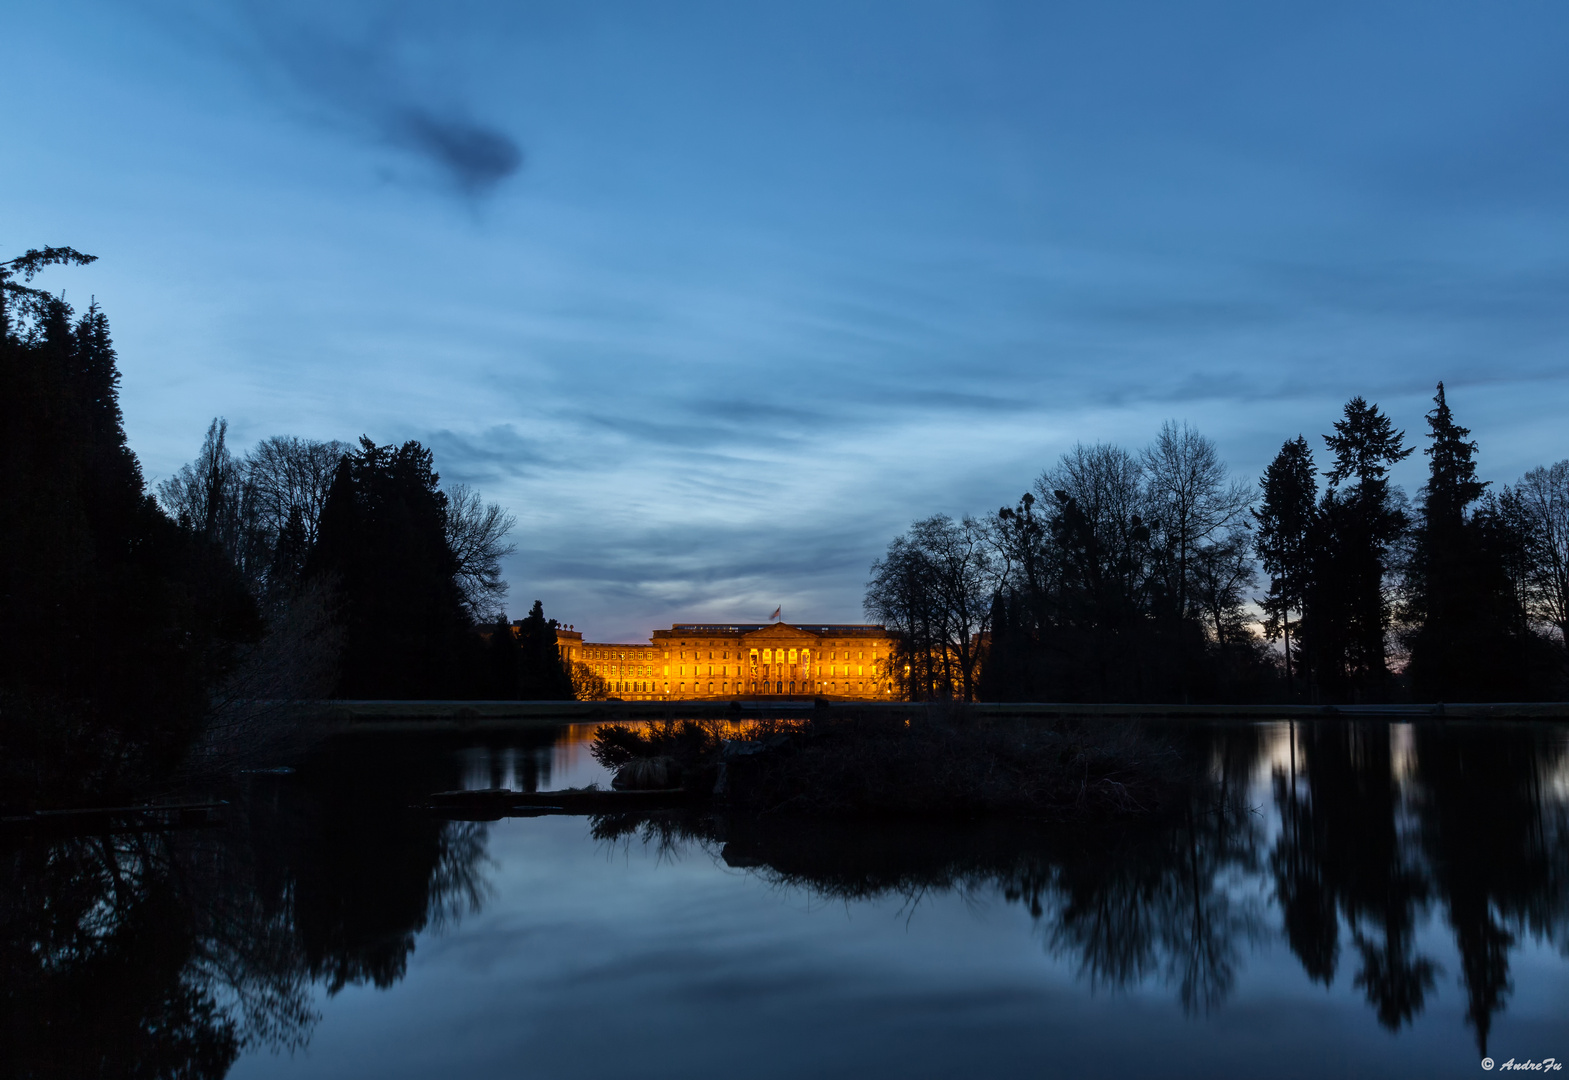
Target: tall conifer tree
<point>382,544</point>
<point>542,674</point>
<point>1359,522</point>
<point>113,623</point>
<point>1285,522</point>
<point>1459,593</point>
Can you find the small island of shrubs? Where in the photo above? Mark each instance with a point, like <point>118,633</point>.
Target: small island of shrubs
<point>924,764</point>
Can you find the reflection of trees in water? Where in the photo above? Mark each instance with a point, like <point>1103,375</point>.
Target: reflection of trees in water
<point>171,953</point>
<point>1166,908</point>
<point>176,951</point>
<point>1496,852</point>
<point>1342,853</point>
<point>1127,905</point>
<point>1367,846</point>
<point>361,878</point>
<point>1167,904</point>
<point>1468,829</point>
<point>133,949</point>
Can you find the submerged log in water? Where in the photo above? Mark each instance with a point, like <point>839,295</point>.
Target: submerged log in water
<point>489,804</point>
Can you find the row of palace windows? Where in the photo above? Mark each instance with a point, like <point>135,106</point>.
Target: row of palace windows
<point>780,656</point>
<point>724,669</point>
<point>634,670</point>
<point>780,686</point>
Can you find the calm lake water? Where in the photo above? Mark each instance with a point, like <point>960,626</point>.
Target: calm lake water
<point>1344,899</point>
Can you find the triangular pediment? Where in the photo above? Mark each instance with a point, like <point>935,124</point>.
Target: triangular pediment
<point>781,632</point>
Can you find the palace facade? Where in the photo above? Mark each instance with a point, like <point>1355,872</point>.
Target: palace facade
<point>741,660</point>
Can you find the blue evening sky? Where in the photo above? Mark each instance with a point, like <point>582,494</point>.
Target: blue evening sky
<point>718,297</point>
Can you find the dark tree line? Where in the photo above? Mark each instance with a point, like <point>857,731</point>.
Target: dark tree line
<point>136,631</point>
<point>115,622</point>
<point>1155,576</point>
<point>407,574</point>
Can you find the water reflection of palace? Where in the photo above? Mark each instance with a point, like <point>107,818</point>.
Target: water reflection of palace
<point>728,660</point>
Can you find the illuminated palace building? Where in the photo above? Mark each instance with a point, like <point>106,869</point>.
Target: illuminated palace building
<point>713,660</point>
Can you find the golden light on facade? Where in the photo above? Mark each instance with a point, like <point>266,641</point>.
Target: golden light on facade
<point>696,661</point>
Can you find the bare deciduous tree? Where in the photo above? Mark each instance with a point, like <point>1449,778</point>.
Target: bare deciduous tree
<point>1543,496</point>
<point>286,471</point>
<point>1189,494</point>
<point>476,533</point>
<point>1105,486</point>
<point>212,497</point>
<point>934,588</point>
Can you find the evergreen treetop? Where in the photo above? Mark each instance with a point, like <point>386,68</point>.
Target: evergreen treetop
<point>1365,444</point>
<point>1452,484</point>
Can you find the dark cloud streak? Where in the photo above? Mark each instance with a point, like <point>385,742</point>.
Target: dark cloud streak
<point>475,156</point>
<point>353,77</point>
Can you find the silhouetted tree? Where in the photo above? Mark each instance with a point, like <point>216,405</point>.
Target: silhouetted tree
<point>1539,508</point>
<point>476,533</point>
<point>505,661</point>
<point>383,546</point>
<point>289,478</point>
<point>1125,578</point>
<point>1110,605</point>
<point>542,673</point>
<point>1347,609</point>
<point>289,554</point>
<point>1014,666</point>
<point>1285,526</point>
<point>1467,644</point>
<point>1188,492</point>
<point>114,623</point>
<point>214,499</point>
<point>934,589</point>
<point>903,596</point>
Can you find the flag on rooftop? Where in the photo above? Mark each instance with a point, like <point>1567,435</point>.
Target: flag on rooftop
<point>777,610</point>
